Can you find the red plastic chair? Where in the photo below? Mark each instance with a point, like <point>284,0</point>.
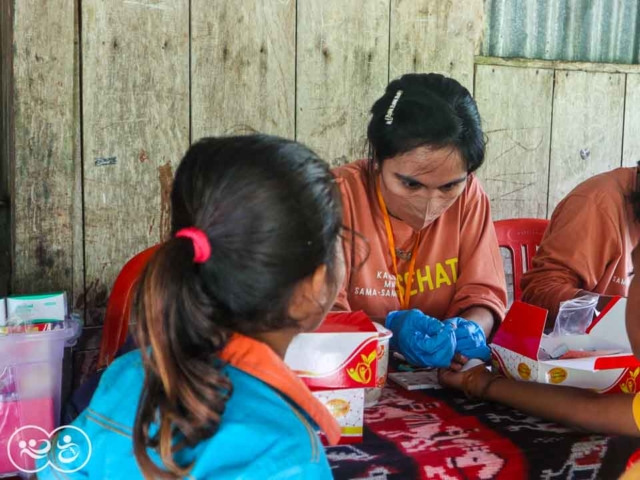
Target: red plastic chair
<point>116,320</point>
<point>521,236</point>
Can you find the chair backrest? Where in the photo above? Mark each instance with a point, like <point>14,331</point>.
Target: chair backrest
<point>116,320</point>
<point>521,236</point>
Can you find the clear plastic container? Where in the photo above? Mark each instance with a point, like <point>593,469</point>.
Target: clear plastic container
<point>575,315</point>
<point>30,390</point>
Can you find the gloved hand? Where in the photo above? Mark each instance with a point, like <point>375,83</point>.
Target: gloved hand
<point>470,338</point>
<point>423,340</point>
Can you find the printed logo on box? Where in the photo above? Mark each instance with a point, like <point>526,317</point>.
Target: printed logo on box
<point>362,371</point>
<point>629,384</point>
<point>72,444</point>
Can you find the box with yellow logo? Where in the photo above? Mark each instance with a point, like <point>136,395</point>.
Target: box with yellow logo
<point>338,362</point>
<point>341,353</point>
<point>600,360</point>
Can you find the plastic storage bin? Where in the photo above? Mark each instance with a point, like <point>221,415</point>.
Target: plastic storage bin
<point>30,390</point>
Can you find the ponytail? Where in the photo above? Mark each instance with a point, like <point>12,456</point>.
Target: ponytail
<point>184,390</point>
<point>269,211</point>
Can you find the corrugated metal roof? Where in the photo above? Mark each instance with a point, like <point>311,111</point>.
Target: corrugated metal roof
<point>578,30</point>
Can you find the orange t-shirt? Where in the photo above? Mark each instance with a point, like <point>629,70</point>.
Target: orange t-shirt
<point>458,263</point>
<point>588,243</point>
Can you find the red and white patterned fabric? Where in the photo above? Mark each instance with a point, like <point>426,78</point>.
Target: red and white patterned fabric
<point>440,434</point>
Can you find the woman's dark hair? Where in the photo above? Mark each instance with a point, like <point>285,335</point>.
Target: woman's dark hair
<point>271,211</point>
<point>432,110</point>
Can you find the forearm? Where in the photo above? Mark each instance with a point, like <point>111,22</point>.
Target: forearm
<point>579,408</point>
<point>483,316</point>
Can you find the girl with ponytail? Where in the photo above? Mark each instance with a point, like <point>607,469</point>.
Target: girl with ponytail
<point>253,260</point>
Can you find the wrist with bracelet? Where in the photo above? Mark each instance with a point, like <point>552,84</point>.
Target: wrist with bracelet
<point>472,382</point>
<point>485,388</point>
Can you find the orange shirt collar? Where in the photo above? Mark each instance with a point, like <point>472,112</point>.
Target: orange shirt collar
<point>258,360</point>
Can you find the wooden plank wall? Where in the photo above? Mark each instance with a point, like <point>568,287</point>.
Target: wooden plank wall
<point>550,126</point>
<point>588,112</point>
<point>343,60</point>
<point>435,36</point>
<point>43,169</point>
<point>105,97</point>
<point>6,143</point>
<point>243,67</point>
<point>135,124</point>
<point>518,188</point>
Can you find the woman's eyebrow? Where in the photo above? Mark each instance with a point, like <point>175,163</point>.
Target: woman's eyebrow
<point>454,182</point>
<point>406,178</point>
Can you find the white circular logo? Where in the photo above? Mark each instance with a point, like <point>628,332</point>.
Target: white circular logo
<point>71,452</point>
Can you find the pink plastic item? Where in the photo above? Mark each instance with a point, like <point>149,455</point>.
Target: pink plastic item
<point>37,412</point>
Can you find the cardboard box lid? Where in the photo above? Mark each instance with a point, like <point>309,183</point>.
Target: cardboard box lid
<point>341,353</point>
<point>523,328</point>
<point>610,324</point>
<point>346,322</point>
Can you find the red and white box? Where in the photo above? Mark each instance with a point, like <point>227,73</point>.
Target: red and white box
<point>607,364</point>
<point>337,362</point>
<point>347,407</point>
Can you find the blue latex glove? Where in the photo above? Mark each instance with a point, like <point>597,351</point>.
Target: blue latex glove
<point>470,338</point>
<point>423,340</point>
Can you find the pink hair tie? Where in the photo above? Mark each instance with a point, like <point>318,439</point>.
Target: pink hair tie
<point>201,245</point>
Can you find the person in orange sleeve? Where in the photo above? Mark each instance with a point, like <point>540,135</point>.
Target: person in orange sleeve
<point>587,245</point>
<point>432,250</point>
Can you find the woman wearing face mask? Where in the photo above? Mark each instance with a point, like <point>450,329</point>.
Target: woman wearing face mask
<point>433,270</point>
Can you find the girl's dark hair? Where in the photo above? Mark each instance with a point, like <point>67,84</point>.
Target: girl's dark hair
<point>272,213</point>
<point>432,110</point>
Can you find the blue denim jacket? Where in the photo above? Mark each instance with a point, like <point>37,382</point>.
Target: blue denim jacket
<point>268,429</point>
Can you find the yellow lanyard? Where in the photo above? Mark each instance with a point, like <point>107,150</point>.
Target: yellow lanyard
<point>404,300</point>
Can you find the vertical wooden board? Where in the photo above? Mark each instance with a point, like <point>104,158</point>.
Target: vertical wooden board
<point>43,169</point>
<point>77,300</point>
<point>135,97</point>
<point>441,36</point>
<point>243,67</point>
<point>6,142</point>
<point>342,64</point>
<point>6,71</point>
<point>631,143</point>
<point>516,169</point>
<point>587,129</point>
